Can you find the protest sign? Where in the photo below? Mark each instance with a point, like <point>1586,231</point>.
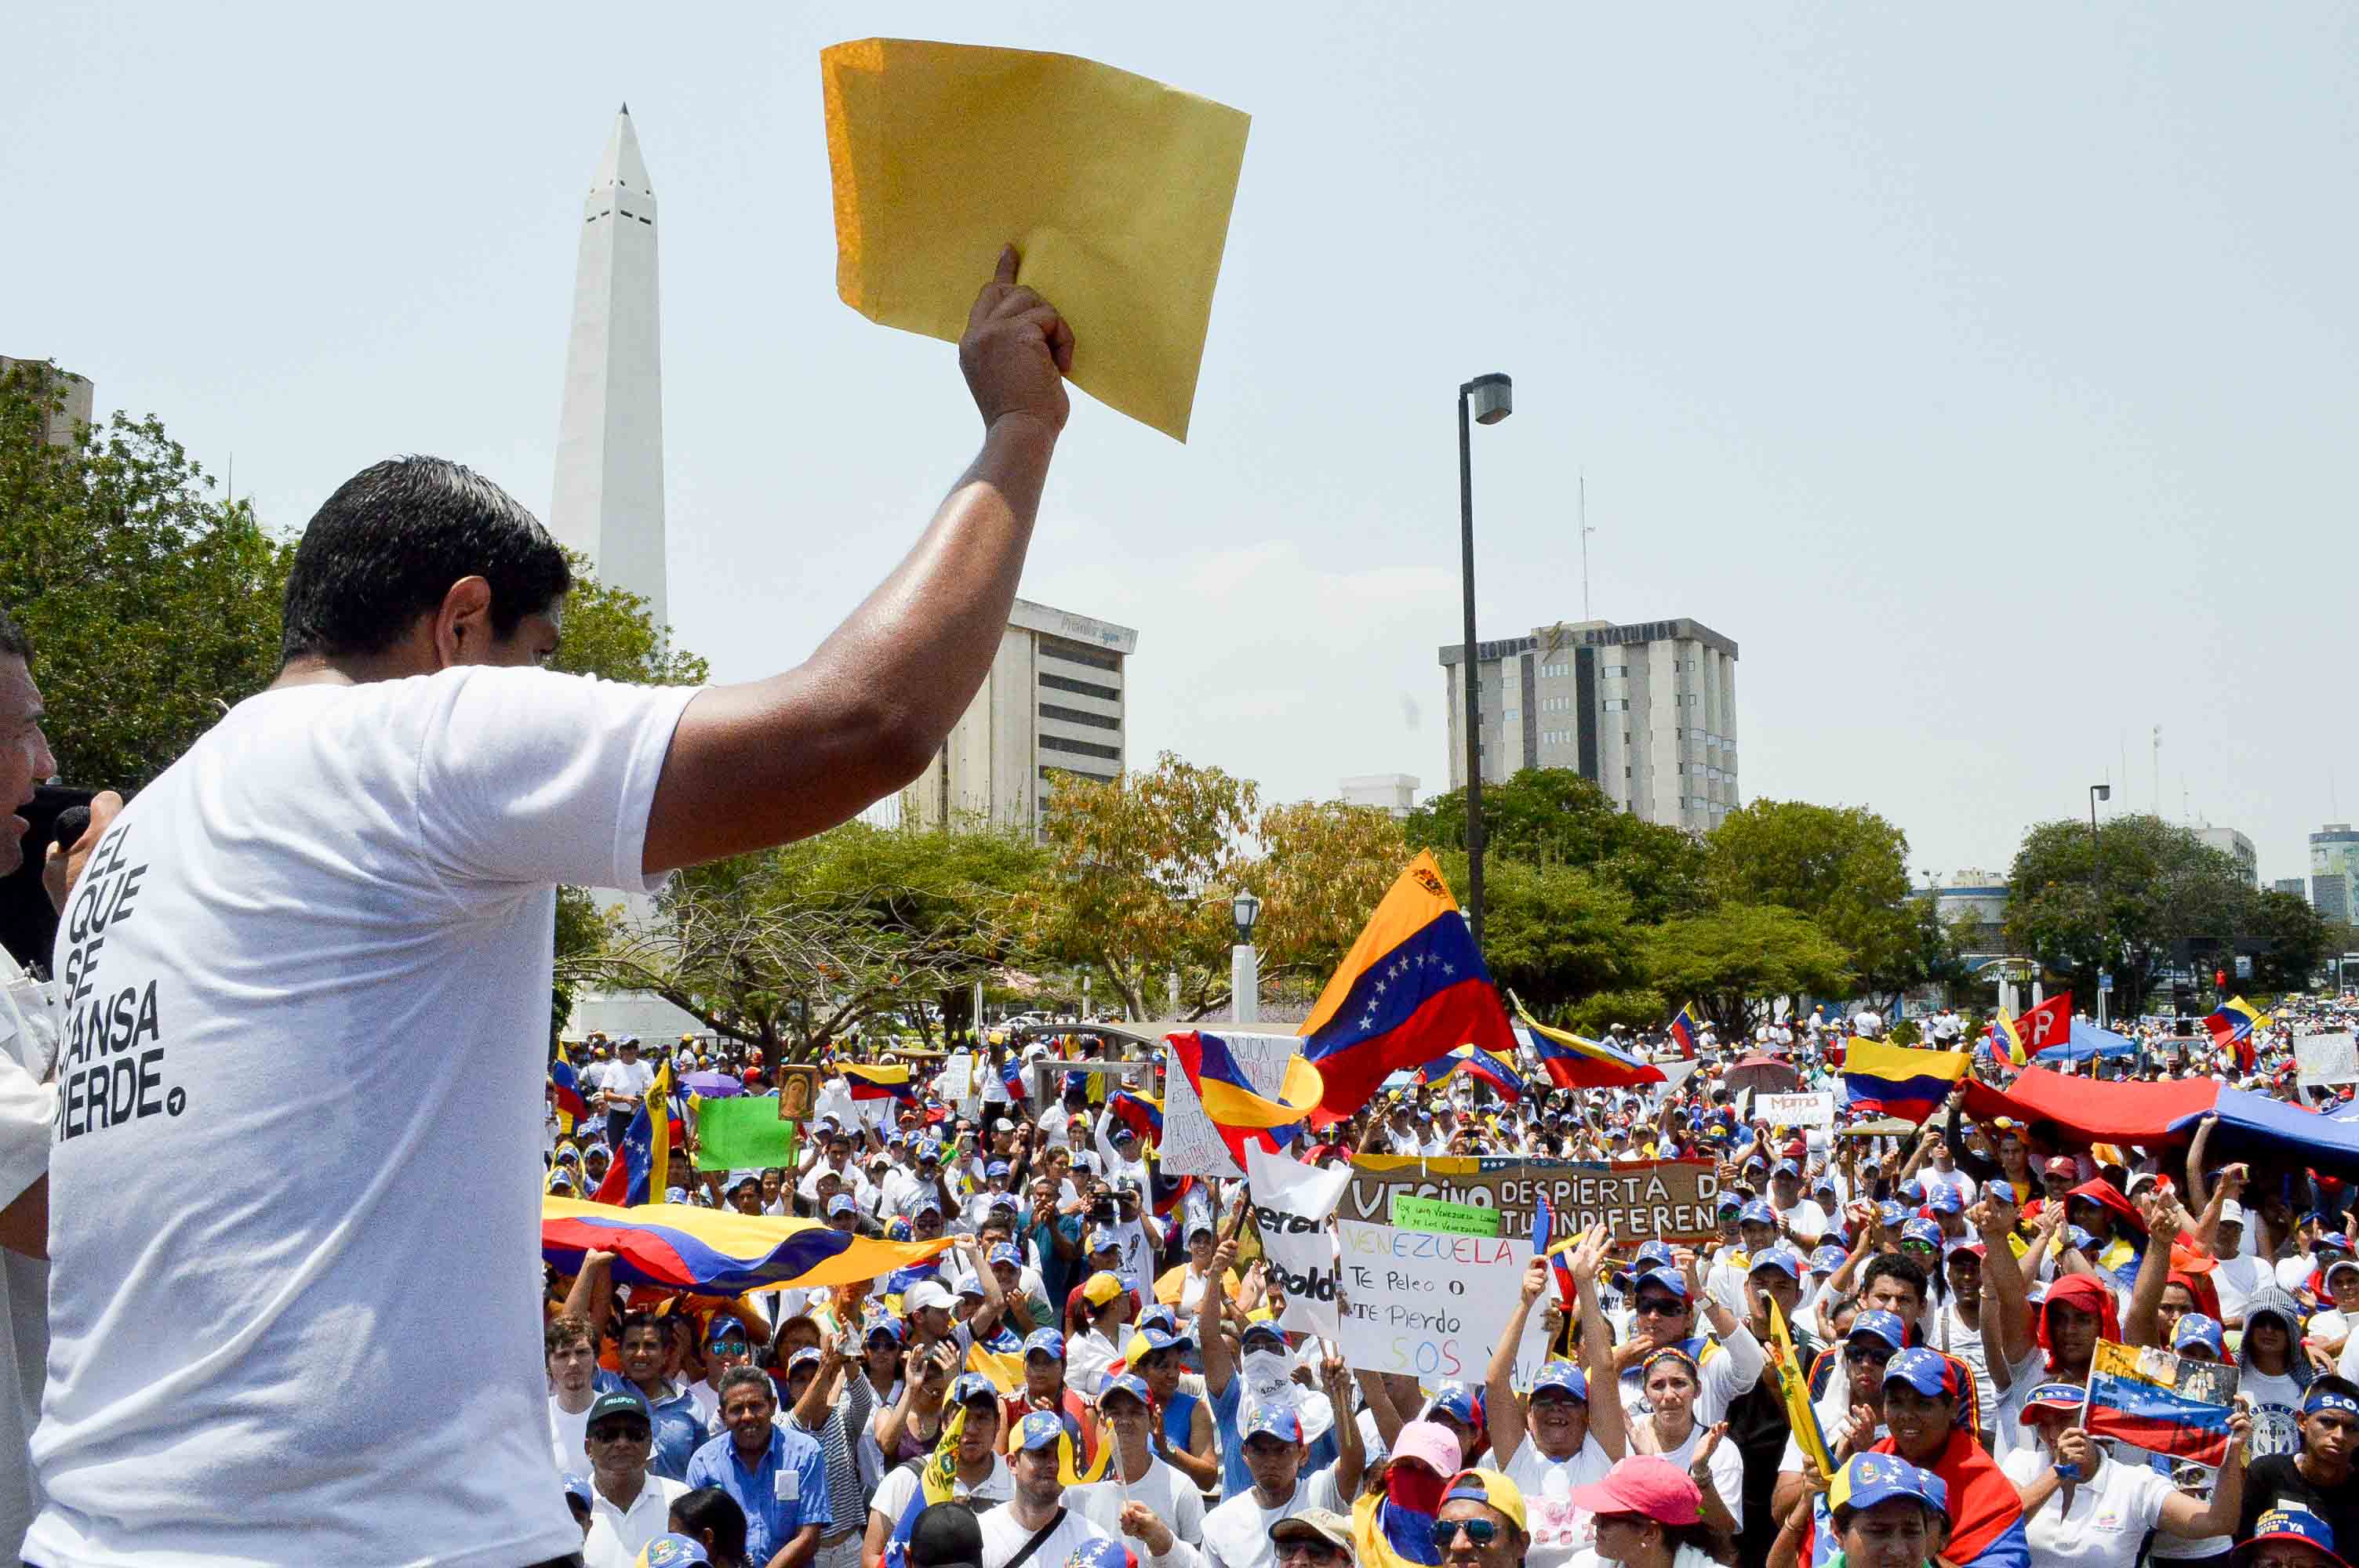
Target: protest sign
<point>1795,1110</point>
<point>1291,1202</point>
<point>1433,1306</point>
<point>1191,1146</point>
<point>2326,1059</point>
<point>742,1133</point>
<point>1668,1200</point>
<point>1411,1213</point>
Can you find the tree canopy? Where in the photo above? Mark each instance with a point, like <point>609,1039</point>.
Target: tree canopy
<point>1554,817</point>
<point>1843,869</point>
<point>2121,899</point>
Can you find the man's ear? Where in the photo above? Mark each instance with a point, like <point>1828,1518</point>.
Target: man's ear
<point>462,626</point>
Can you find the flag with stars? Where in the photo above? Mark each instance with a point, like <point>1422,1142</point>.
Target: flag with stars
<point>1412,988</point>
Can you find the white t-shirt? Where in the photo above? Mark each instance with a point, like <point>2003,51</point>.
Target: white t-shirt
<point>900,1484</point>
<point>2277,1411</point>
<point>2112,1512</point>
<point>1803,1218</point>
<point>631,1079</point>
<point>323,998</point>
<point>1726,1466</point>
<point>566,1430</point>
<point>27,1106</point>
<point>1560,1527</point>
<point>1236,1533</point>
<point>1003,1536</point>
<point>2237,1278</point>
<point>1173,1497</point>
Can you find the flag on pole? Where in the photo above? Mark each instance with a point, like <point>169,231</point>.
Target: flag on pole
<point>2049,1023</point>
<point>2006,1041</point>
<point>572,1109</point>
<point>873,1080</point>
<point>1240,1113</point>
<point>1899,1079</point>
<point>1799,1415</point>
<point>1684,1024</point>
<point>1479,1065</point>
<point>1572,1062</point>
<point>643,1174</point>
<point>2232,1030</point>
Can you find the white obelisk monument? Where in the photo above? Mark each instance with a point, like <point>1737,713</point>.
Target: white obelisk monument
<point>608,502</point>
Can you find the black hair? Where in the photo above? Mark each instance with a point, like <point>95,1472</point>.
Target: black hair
<point>13,641</point>
<point>711,1509</point>
<point>746,1377</point>
<point>944,1534</point>
<point>1895,1265</point>
<point>647,1320</point>
<point>386,547</point>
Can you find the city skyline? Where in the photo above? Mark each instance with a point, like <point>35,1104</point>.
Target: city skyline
<point>1858,370</point>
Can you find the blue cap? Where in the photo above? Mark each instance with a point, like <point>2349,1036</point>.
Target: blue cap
<point>1889,1214</point>
<point>2293,1524</point>
<point>2081,1240</point>
<point>1825,1184</point>
<point>1945,1200</point>
<point>675,1194</point>
<point>806,1356</point>
<point>1757,1212</point>
<point>1871,1479</point>
<point>1006,1252</point>
<point>1044,1342</point>
<point>842,1203</point>
<point>1561,1377</point>
<point>1781,1259</point>
<point>1760,1160</point>
<point>1262,1325</point>
<point>1103,1240</point>
<point>973,1386</point>
<point>1456,1401</point>
<point>1999,1190</point>
<point>888,1326</point>
<point>1039,1428</point>
<point>1278,1420</point>
<point>1100,1551</point>
<point>1786,1168</point>
<point>670,1551</point>
<point>1924,1230</point>
<point>577,1486</point>
<point>893,1139</point>
<point>1655,1254</point>
<point>1884,1325</point>
<point>2199,1328</point>
<point>1668,1278</point>
<point>1828,1258</point>
<point>1129,1383</point>
<point>1161,1317</point>
<point>931,1149</point>
<point>997,1168</point>
<point>2055,1396</point>
<point>1928,1372</point>
<point>1730,1202</point>
<point>722,1326</point>
<point>923,1201</point>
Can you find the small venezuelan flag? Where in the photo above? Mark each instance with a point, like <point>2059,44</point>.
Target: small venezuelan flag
<point>1411,986</point>
<point>2159,1401</point>
<point>1906,1083</point>
<point>571,1109</point>
<point>1683,1029</point>
<point>1242,1114</point>
<point>1479,1065</point>
<point>1142,1114</point>
<point>2006,1041</point>
<point>1574,1062</point>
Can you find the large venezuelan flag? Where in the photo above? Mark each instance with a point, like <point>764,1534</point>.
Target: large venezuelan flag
<point>1142,1114</point>
<point>1240,1113</point>
<point>1411,987</point>
<point>716,1251</point>
<point>1481,1065</point>
<point>1905,1082</point>
<point>869,1080</point>
<point>2135,1396</point>
<point>1574,1062</point>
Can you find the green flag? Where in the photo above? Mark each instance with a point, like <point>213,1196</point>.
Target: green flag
<point>743,1132</point>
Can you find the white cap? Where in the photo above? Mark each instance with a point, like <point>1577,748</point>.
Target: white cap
<point>927,1294</point>
<point>2232,1212</point>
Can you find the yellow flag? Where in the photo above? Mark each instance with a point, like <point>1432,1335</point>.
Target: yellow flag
<point>1797,1385</point>
<point>1115,189</point>
<point>660,1135</point>
<point>940,1476</point>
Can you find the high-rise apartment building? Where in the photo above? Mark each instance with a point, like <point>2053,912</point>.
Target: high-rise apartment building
<point>2237,847</point>
<point>74,392</point>
<point>2293,885</point>
<point>1645,711</point>
<point>2334,870</point>
<point>1053,703</point>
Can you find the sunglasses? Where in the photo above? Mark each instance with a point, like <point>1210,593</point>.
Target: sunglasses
<point>629,1433</point>
<point>1868,1356</point>
<point>1659,1309</point>
<point>1480,1531</point>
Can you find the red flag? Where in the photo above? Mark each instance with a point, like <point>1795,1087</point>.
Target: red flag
<point>2049,1024</point>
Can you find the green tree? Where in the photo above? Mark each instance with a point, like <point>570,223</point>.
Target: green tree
<point>1322,870</point>
<point>2300,941</point>
<point>1554,817</point>
<point>2122,901</point>
<point>1733,960</point>
<point>1555,935</point>
<point>152,604</point>
<point>1845,869</point>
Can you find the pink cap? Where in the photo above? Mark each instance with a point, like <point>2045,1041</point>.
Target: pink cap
<point>1430,1442</point>
<point>1644,1484</point>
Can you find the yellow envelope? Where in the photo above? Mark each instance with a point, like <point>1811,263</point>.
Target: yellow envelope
<point>1115,189</point>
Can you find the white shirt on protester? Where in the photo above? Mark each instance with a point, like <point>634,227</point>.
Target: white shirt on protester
<point>1236,1533</point>
<point>2110,1516</point>
<point>1726,1465</point>
<point>2237,1278</point>
<point>631,1079</point>
<point>567,1429</point>
<point>1173,1497</point>
<point>1558,1527</point>
<point>900,1484</point>
<point>1003,1536</point>
<point>345,905</point>
<point>617,1536</point>
<point>27,1107</point>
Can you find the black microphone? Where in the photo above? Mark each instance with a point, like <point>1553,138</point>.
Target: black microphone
<point>72,824</point>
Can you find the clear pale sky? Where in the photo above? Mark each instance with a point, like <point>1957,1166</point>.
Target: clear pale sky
<point>1991,375</point>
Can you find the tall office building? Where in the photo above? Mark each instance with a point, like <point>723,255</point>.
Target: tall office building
<point>1645,711</point>
<point>608,502</point>
<point>2293,885</point>
<point>2237,847</point>
<point>1052,703</point>
<point>75,395</point>
<point>2334,870</point>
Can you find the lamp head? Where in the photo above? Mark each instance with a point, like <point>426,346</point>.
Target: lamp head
<point>1490,398</point>
<point>2102,792</point>
<point>1244,909</point>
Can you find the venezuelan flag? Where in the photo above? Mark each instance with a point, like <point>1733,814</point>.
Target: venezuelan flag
<point>1683,1029</point>
<point>1142,1114</point>
<point>1478,1065</point>
<point>937,1483</point>
<point>1003,1362</point>
<point>1411,986</point>
<point>876,1080</point>
<point>1011,1078</point>
<point>1239,1112</point>
<point>2136,1395</point>
<point>1573,1063</point>
<point>643,1174</point>
<point>2006,1041</point>
<point>1905,1082</point>
<point>2236,1021</point>
<point>571,1109</point>
<point>715,1251</point>
<point>1545,1246</point>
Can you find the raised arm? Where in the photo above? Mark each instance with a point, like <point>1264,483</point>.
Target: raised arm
<point>2141,1324</point>
<point>1502,1409</point>
<point>1608,1422</point>
<point>777,760</point>
<point>2195,1195</point>
<point>2003,1280</point>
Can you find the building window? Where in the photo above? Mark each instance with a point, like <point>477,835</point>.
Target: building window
<point>1080,748</point>
<point>1512,715</point>
<point>1075,653</point>
<point>1555,672</point>
<point>1617,672</point>
<point>1082,688</point>
<point>1617,705</point>
<point>1075,716</point>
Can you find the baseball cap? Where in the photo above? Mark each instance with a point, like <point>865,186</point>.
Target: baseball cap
<point>1823,1185</point>
<point>1129,1383</point>
<point>2199,1328</point>
<point>1655,1254</point>
<point>1006,1252</point>
<point>1999,1191</point>
<point>842,1203</point>
<point>1263,1325</point>
<point>968,1285</point>
<point>1279,1421</point>
<point>2291,1524</point>
<point>670,1551</point>
<point>1314,1524</point>
<point>1039,1428</point>
<point>1889,1214</point>
<point>2054,1396</point>
<point>1928,1372</point>
<point>1757,1213</point>
<point>946,1533</point>
<point>995,1168</point>
<point>1786,1168</point>
<point>1431,1443</point>
<point>1781,1259</point>
<point>2232,1212</point>
<point>927,1294</point>
<point>1491,1488</point>
<point>1103,1240</point>
<point>806,1356</point>
<point>924,1201</point>
<point>1873,1479</point>
<point>722,1326</point>
<point>1101,1288</point>
<point>1665,1279</point>
<point>1459,1402</point>
<point>1946,1200</point>
<point>1044,1342</point>
<point>1104,1551</point>
<point>1923,1230</point>
<point>1730,1204</point>
<point>621,1402</point>
<point>577,1487</point>
<point>1884,1325</point>
<point>972,1386</point>
<point>890,1327</point>
<point>1644,1484</point>
<point>1561,1377</point>
<point>1828,1258</point>
<point>2061,1166</point>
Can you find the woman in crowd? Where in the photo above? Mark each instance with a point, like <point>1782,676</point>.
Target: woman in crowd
<point>2085,1508</point>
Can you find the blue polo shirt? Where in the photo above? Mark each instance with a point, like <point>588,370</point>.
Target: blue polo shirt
<point>785,1492</point>
<point>679,1431</point>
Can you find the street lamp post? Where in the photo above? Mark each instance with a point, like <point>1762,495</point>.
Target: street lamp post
<point>1244,964</point>
<point>1487,399</point>
<point>2097,890</point>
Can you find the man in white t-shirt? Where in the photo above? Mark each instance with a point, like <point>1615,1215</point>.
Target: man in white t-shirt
<point>623,1086</point>
<point>325,933</point>
<point>1236,1533</point>
<point>1039,1502</point>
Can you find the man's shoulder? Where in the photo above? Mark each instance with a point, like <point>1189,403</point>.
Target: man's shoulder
<point>712,1454</point>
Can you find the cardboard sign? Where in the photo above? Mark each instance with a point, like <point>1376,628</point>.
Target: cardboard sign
<point>1796,1110</point>
<point>1440,1215</point>
<point>1191,1146</point>
<point>1646,1200</point>
<point>1433,1306</point>
<point>2326,1059</point>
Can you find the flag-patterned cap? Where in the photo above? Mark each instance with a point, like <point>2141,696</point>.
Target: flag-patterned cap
<point>1039,1428</point>
<point>668,1550</point>
<point>2295,1524</point>
<point>1873,1479</point>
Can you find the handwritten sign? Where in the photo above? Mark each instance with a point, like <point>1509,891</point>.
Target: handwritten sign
<point>1191,1146</point>
<point>2326,1059</point>
<point>1668,1200</point>
<point>1442,1215</point>
<point>1433,1306</point>
<point>1795,1110</point>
